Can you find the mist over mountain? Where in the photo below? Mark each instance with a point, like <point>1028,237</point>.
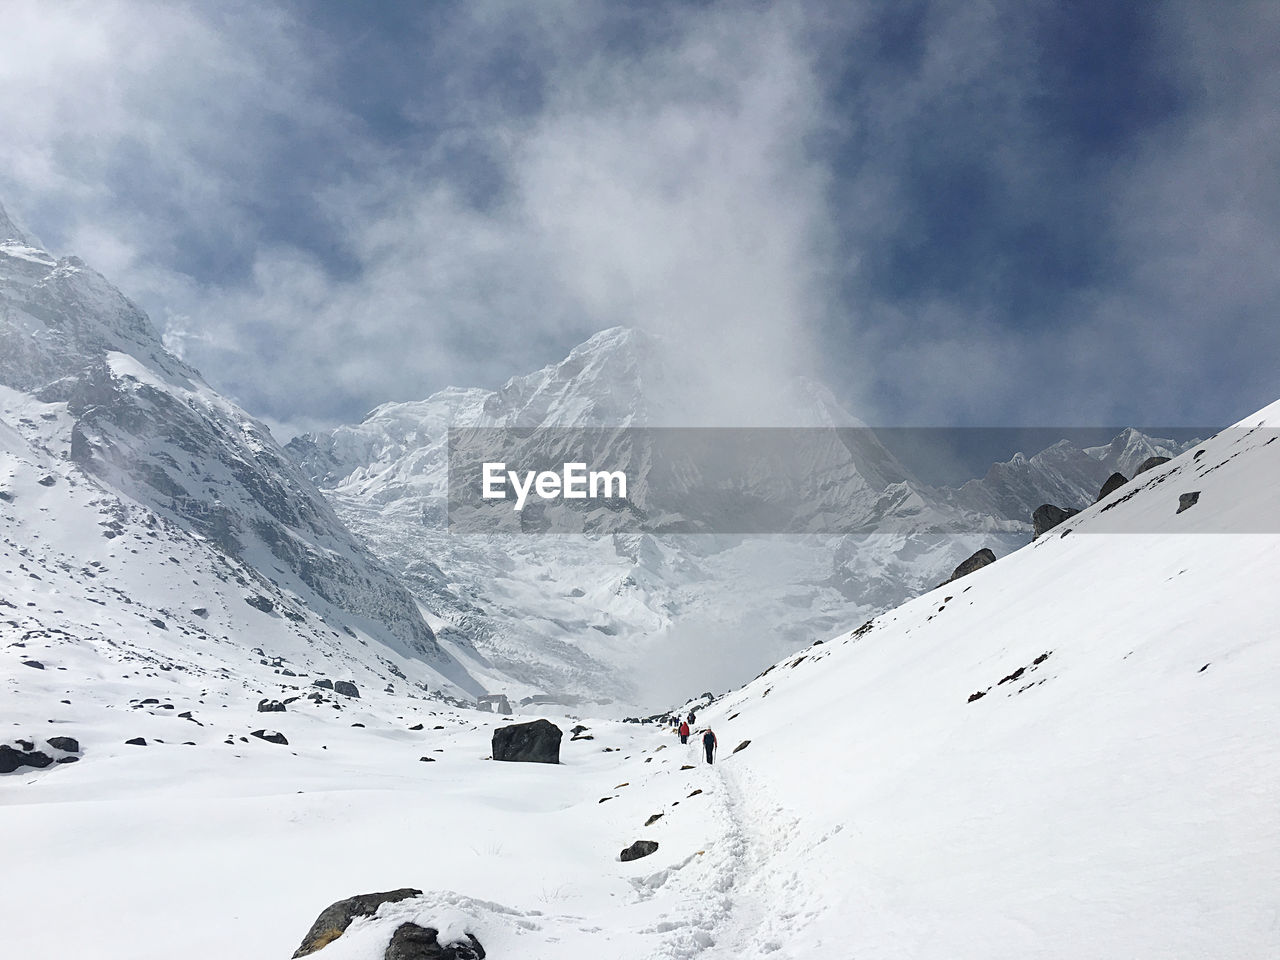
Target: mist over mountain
<point>633,616</point>
<point>618,615</point>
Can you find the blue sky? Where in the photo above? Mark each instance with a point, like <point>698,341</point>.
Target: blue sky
<point>991,213</point>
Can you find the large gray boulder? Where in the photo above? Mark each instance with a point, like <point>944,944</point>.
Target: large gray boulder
<point>335,918</point>
<point>975,562</point>
<point>1112,484</point>
<point>412,942</point>
<point>1047,516</point>
<point>641,848</point>
<point>535,742</point>
<point>1149,463</point>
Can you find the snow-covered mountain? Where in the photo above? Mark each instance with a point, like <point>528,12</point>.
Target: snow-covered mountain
<point>1069,753</point>
<point>1064,475</point>
<point>120,462</point>
<point>592,616</point>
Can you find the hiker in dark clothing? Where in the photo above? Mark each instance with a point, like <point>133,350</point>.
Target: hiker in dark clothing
<point>709,744</point>
<point>691,718</point>
<point>684,732</point>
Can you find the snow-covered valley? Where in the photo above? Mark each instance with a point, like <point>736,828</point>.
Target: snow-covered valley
<point>229,704</point>
<point>1070,752</point>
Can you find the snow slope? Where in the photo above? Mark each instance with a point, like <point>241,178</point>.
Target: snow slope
<point>1111,793</point>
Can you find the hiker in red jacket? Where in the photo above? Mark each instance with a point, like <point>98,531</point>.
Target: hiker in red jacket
<point>684,731</point>
<point>709,744</point>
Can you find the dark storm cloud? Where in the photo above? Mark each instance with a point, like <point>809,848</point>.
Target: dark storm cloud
<point>994,212</point>
<point>1009,181</point>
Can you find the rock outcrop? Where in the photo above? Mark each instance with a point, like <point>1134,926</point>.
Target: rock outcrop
<point>975,562</point>
<point>1047,516</point>
<point>1150,463</point>
<point>1113,483</point>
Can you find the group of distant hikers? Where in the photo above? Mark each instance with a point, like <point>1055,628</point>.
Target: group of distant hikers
<point>685,729</point>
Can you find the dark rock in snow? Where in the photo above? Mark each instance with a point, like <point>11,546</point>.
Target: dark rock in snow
<point>742,746</point>
<point>69,744</point>
<point>1112,483</point>
<point>1150,463</point>
<point>347,689</point>
<point>324,682</point>
<point>641,848</point>
<point>1047,516</point>
<point>271,736</point>
<point>67,760</point>
<point>10,759</point>
<point>1188,500</point>
<point>975,562</point>
<point>412,942</point>
<point>535,742</point>
<point>653,819</point>
<point>270,706</point>
<point>261,603</point>
<point>35,758</point>
<point>137,742</point>
<point>416,726</point>
<point>335,918</point>
<point>578,729</point>
<point>33,663</point>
